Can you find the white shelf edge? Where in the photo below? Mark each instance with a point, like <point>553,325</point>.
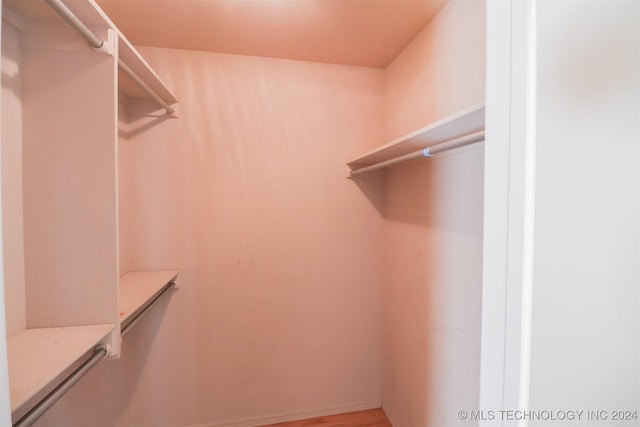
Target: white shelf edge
<point>93,16</point>
<point>129,54</point>
<point>138,64</point>
<point>40,358</point>
<point>138,289</point>
<point>462,123</point>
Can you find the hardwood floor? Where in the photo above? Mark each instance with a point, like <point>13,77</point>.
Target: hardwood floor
<point>370,418</point>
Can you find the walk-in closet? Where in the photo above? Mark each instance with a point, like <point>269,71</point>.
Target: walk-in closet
<point>246,212</point>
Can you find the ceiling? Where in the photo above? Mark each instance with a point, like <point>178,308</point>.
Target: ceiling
<point>353,32</point>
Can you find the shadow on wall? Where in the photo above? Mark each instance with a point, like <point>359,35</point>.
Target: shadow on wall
<point>373,186</point>
<point>12,82</point>
<point>409,192</point>
<point>442,192</point>
<point>141,115</point>
<point>432,293</point>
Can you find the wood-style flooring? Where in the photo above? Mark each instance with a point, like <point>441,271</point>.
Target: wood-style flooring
<point>370,418</point>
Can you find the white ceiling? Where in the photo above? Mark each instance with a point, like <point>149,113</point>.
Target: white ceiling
<point>353,32</point>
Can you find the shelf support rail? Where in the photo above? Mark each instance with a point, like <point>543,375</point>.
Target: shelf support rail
<point>99,353</point>
<point>462,141</point>
<point>96,43</point>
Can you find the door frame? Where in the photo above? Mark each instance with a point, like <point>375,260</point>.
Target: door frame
<point>509,207</point>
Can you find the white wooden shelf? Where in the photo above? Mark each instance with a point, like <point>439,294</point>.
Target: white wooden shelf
<point>137,63</point>
<point>139,289</point>
<point>40,358</point>
<point>463,123</point>
<point>92,16</point>
<point>73,298</point>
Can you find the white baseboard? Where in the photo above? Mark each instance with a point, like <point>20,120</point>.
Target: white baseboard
<point>291,416</point>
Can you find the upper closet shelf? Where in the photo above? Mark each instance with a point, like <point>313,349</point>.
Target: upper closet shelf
<point>139,290</point>
<point>462,128</point>
<point>136,79</point>
<point>129,86</point>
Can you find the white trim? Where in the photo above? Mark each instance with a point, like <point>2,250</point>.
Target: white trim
<point>509,207</point>
<point>292,416</point>
<point>496,189</point>
<point>5,406</point>
<point>529,210</point>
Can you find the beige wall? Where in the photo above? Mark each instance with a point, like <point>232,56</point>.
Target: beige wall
<point>280,310</point>
<point>585,326</point>
<point>12,211</point>
<point>440,72</point>
<point>433,236</point>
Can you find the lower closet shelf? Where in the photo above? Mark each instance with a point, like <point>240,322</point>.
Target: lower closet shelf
<point>40,358</point>
<point>139,290</point>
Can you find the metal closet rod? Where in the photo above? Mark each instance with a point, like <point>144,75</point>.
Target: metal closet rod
<point>126,329</point>
<point>99,353</point>
<point>96,43</point>
<point>425,152</point>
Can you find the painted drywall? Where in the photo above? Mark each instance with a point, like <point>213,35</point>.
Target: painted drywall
<point>433,232</point>
<point>585,326</point>
<point>70,221</point>
<point>124,190</point>
<point>440,72</point>
<point>279,311</point>
<point>12,212</point>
